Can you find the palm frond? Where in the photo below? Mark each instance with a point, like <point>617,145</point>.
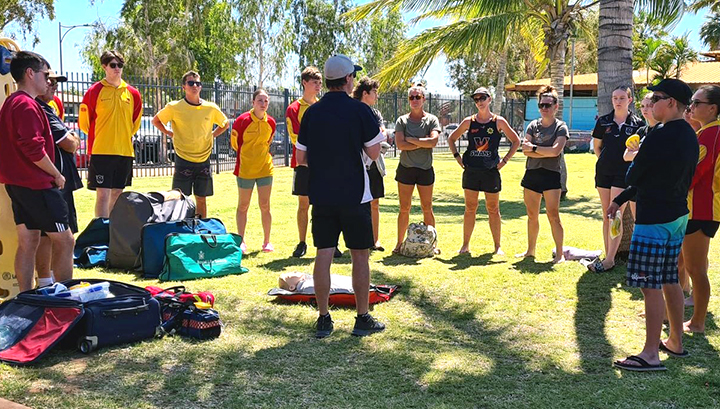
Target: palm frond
<point>453,39</point>
<point>438,8</point>
<point>666,12</point>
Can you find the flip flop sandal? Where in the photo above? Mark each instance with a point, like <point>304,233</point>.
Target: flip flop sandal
<point>664,348</point>
<point>598,267</point>
<point>643,367</point>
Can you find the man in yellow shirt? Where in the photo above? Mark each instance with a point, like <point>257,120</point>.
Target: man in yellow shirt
<point>192,120</point>
<point>110,115</point>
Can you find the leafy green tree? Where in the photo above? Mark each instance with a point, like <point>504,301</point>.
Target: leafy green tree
<point>25,15</point>
<point>710,31</point>
<point>697,5</point>
<point>672,57</point>
<point>476,25</point>
<point>380,41</point>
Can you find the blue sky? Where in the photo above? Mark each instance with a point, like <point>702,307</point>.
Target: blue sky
<point>71,12</point>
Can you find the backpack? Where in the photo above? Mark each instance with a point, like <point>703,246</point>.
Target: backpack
<point>420,241</point>
<point>134,210</point>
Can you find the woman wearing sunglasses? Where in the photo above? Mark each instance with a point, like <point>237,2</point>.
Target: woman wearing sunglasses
<point>703,199</point>
<point>545,140</point>
<point>416,134</point>
<point>481,163</point>
<point>609,137</point>
<point>251,136</point>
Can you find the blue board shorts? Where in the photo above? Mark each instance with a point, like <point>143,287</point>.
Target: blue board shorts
<point>654,251</point>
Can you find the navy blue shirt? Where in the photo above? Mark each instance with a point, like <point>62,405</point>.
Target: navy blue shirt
<point>611,162</point>
<point>661,173</point>
<point>483,143</point>
<point>333,132</point>
<point>64,161</point>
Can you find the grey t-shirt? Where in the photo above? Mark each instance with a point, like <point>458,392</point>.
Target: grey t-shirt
<point>542,136</point>
<point>421,157</point>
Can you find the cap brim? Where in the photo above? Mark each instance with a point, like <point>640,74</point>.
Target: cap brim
<point>358,68</point>
<point>58,78</point>
<point>480,93</point>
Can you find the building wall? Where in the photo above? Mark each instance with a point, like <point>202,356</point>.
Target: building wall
<point>584,112</point>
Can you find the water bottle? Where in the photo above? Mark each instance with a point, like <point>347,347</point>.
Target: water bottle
<point>10,328</point>
<point>7,336</point>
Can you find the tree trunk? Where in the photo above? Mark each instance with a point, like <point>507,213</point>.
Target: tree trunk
<point>500,87</point>
<point>614,50</point>
<point>557,51</point>
<point>615,69</point>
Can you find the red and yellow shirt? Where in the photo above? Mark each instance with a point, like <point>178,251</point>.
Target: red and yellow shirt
<point>251,137</point>
<point>57,106</point>
<point>110,116</point>
<point>704,194</point>
<point>293,117</point>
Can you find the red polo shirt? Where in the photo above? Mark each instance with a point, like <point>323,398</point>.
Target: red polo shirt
<point>25,138</point>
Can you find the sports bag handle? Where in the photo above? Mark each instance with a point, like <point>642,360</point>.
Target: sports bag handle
<point>130,310</point>
<point>211,236</point>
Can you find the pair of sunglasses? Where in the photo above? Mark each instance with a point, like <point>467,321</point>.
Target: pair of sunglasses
<point>114,65</point>
<point>481,98</point>
<point>655,98</point>
<point>194,83</point>
<point>544,105</point>
<point>415,97</point>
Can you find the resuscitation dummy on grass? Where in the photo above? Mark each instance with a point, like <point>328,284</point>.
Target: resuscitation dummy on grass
<point>300,288</point>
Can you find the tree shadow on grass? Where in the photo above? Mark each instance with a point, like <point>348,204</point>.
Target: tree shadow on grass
<point>283,263</point>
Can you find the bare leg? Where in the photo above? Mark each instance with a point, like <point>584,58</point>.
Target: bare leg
<point>375,212</point>
<point>695,250</point>
<point>62,254</point>
<point>244,196</point>
<point>532,205</point>
<point>654,311</point>
<point>360,279</point>
<point>674,303</point>
<point>43,258</point>
<point>471,205</point>
<point>612,244</point>
<point>302,217</point>
<point>264,203</point>
<point>492,205</point>
<point>552,208</point>
<point>201,206</point>
<point>28,241</point>
<point>425,193</point>
<point>405,197</point>
<point>321,276</point>
<point>102,202</point>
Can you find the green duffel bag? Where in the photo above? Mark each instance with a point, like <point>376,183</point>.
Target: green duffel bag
<point>189,256</point>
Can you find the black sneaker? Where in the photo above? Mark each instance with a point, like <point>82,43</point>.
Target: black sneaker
<point>338,253</point>
<point>366,325</point>
<point>300,250</point>
<point>323,326</point>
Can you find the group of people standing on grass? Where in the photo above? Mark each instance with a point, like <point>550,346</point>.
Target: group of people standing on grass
<point>670,176</point>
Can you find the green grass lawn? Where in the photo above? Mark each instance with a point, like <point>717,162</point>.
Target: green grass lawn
<point>464,331</point>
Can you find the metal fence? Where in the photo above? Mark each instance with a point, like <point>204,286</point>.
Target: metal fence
<point>154,153</point>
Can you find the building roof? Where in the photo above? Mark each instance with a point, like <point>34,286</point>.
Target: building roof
<point>694,74</point>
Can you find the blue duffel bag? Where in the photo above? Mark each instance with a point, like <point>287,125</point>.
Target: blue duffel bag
<point>152,240</point>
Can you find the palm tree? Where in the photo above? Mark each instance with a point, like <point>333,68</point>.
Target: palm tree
<point>710,31</point>
<point>682,54</point>
<point>615,41</point>
<point>645,54</point>
<point>476,25</point>
<point>714,5</point>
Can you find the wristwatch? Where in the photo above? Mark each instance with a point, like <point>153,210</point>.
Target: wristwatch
<point>456,155</point>
<point>534,148</point>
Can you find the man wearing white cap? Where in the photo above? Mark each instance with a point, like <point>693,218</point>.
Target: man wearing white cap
<point>334,133</point>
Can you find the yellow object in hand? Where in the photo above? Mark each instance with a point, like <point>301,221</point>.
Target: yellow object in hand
<point>634,139</point>
<point>615,225</point>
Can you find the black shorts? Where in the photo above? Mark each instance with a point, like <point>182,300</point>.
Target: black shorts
<point>540,180</point>
<point>415,176</point>
<point>608,181</point>
<point>109,172</point>
<point>72,212</point>
<point>355,223</point>
<point>301,181</point>
<point>708,227</point>
<point>44,209</point>
<point>193,177</point>
<point>482,180</point>
<point>377,187</point>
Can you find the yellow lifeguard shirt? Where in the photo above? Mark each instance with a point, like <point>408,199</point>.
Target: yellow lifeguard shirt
<point>192,127</point>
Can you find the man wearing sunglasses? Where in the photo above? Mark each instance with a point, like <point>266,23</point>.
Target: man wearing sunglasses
<point>26,167</point>
<point>660,177</point>
<point>192,120</point>
<point>110,115</point>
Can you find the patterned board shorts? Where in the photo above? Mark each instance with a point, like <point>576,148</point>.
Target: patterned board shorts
<point>654,251</point>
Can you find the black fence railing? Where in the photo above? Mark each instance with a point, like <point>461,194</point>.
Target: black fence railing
<point>154,153</point>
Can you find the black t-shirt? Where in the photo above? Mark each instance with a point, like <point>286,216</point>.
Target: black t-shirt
<point>483,143</point>
<point>662,172</point>
<point>64,160</point>
<point>333,132</point>
<point>613,137</point>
